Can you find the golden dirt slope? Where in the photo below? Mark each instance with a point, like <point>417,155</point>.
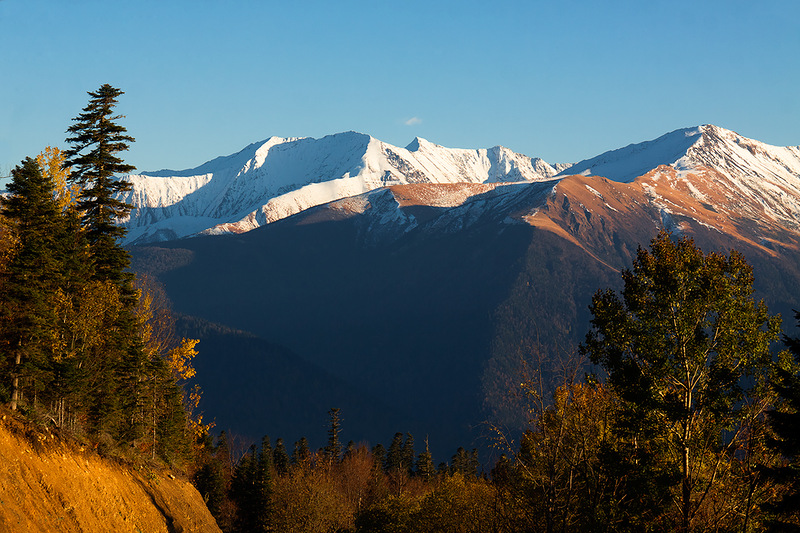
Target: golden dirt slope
<point>47,486</point>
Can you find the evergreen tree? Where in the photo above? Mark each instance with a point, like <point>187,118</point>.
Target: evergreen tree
<point>301,455</point>
<point>394,456</point>
<point>26,306</point>
<point>350,449</point>
<point>425,468</point>
<point>408,454</point>
<point>210,484</point>
<point>280,458</point>
<point>262,497</point>
<point>379,456</point>
<point>96,140</point>
<point>243,491</point>
<point>333,450</point>
<point>251,490</point>
<point>785,423</point>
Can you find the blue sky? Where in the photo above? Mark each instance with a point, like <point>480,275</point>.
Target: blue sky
<point>562,80</point>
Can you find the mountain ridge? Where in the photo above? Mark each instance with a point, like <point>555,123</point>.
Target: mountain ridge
<point>281,177</point>
<point>429,296</point>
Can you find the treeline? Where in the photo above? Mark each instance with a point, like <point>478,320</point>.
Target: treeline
<point>86,346</point>
<point>692,426</point>
<point>342,488</point>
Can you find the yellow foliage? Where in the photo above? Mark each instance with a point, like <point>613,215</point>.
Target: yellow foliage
<point>180,359</point>
<point>84,317</point>
<point>51,161</point>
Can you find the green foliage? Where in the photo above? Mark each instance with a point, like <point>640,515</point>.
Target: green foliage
<point>785,423</point>
<point>333,450</point>
<point>280,458</point>
<point>31,277</point>
<point>76,337</point>
<point>96,140</point>
<point>686,349</point>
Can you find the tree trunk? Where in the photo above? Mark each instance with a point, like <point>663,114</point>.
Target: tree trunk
<point>686,490</point>
<point>15,382</point>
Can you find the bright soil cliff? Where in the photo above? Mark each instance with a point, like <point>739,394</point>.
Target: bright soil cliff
<point>48,485</point>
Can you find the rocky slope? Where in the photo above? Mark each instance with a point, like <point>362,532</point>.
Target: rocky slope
<point>50,486</point>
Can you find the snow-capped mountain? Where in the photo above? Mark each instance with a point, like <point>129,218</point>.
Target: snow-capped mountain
<point>280,177</point>
<point>462,273</point>
<point>276,178</point>
<point>733,175</point>
<point>708,174</point>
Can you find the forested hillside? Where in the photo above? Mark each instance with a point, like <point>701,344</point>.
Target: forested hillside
<point>90,361</point>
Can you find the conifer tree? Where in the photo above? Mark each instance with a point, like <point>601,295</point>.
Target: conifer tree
<point>333,450</point>
<point>379,456</point>
<point>408,454</point>
<point>96,140</point>
<point>301,454</point>
<point>262,497</point>
<point>26,306</point>
<point>394,455</point>
<point>785,424</point>
<point>425,468</point>
<point>280,458</point>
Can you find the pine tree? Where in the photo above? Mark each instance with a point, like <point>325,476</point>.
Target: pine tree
<point>33,273</point>
<point>408,454</point>
<point>333,450</point>
<point>379,456</point>
<point>394,456</point>
<point>425,468</point>
<point>262,498</point>
<point>785,424</point>
<point>96,140</point>
<point>301,455</point>
<point>280,458</point>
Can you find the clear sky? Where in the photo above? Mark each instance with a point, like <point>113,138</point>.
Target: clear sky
<point>562,80</point>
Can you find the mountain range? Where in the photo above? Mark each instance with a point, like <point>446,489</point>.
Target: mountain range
<point>412,286</point>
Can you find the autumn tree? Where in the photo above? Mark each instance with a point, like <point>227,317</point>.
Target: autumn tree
<point>52,162</point>
<point>684,347</point>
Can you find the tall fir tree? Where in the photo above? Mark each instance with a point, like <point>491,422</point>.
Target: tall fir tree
<point>33,273</point>
<point>333,450</point>
<point>280,458</point>
<point>424,467</point>
<point>96,140</point>
<point>785,423</point>
<point>395,459</point>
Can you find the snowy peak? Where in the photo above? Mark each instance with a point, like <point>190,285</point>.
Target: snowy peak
<point>735,177</point>
<point>705,146</point>
<point>279,177</point>
<point>626,164</point>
